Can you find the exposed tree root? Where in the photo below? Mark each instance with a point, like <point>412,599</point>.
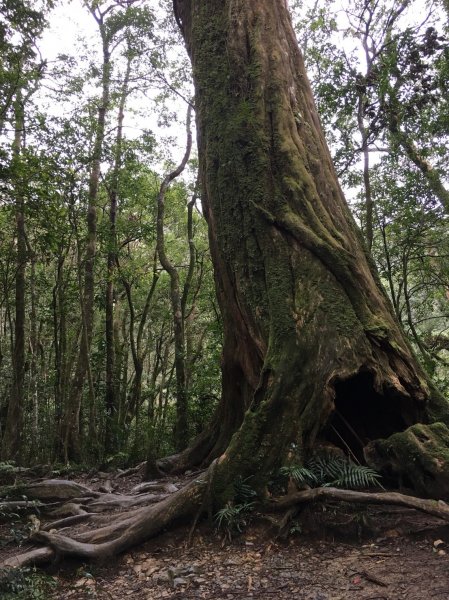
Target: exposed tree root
<point>143,523</point>
<point>68,509</point>
<point>68,521</point>
<point>154,486</point>
<point>57,489</point>
<point>18,505</point>
<point>436,508</point>
<point>107,487</point>
<point>108,501</point>
<point>130,528</point>
<point>131,470</point>
<point>36,556</point>
<point>126,533</point>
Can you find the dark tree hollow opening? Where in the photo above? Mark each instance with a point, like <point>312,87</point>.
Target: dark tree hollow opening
<point>363,414</point>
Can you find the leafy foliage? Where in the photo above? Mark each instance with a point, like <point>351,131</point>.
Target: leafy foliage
<point>234,517</point>
<point>25,584</point>
<point>329,470</point>
<point>301,475</point>
<point>336,471</point>
<point>7,470</point>
<point>243,490</point>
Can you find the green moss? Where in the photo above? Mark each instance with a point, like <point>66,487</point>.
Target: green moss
<point>438,406</point>
<point>421,453</point>
<point>240,461</point>
<point>259,447</point>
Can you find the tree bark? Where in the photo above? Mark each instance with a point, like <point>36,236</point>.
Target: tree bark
<point>111,396</point>
<point>71,433</point>
<point>312,348</point>
<point>177,300</point>
<point>138,352</point>
<point>59,309</point>
<point>12,437</point>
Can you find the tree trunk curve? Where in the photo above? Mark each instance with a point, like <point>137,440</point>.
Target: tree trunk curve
<point>311,345</point>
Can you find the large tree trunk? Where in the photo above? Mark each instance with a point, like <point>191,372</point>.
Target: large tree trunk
<point>311,347</point>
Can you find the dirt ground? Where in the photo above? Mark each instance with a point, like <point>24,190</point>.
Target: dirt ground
<point>331,552</point>
<point>412,566</point>
<point>410,561</point>
<point>252,567</point>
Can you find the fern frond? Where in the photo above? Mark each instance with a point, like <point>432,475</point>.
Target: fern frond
<point>233,517</point>
<point>355,476</point>
<point>243,491</point>
<point>336,471</point>
<point>301,475</point>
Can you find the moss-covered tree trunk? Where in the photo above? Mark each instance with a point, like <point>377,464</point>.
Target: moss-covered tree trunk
<point>311,347</point>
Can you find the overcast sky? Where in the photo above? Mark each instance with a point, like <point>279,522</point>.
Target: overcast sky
<point>67,23</point>
<point>70,24</point>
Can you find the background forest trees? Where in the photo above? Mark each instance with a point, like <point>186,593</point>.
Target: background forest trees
<point>87,335</point>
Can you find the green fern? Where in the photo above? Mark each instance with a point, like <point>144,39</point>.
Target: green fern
<point>233,518</point>
<point>336,471</point>
<point>235,515</point>
<point>354,477</point>
<point>243,492</point>
<point>301,475</point>
<point>327,470</point>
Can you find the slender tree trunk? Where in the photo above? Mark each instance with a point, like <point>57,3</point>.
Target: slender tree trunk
<point>309,333</point>
<point>71,433</point>
<point>176,298</point>
<point>427,359</point>
<point>60,347</point>
<point>111,399</point>
<point>13,432</point>
<point>364,133</point>
<point>34,371</point>
<point>137,352</point>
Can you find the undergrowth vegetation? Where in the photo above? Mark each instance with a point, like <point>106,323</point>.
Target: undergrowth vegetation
<point>25,584</point>
<point>327,470</point>
<point>320,470</point>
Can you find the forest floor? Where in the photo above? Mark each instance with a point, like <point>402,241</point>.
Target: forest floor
<point>333,551</point>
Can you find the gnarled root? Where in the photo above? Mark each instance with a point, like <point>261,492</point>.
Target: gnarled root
<point>138,526</point>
